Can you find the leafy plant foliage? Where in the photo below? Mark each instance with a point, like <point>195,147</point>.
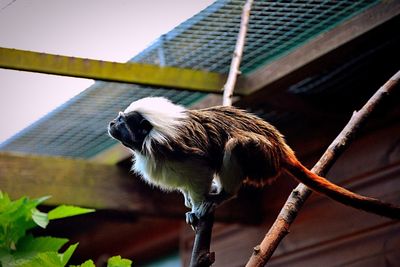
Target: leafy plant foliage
<point>20,249</point>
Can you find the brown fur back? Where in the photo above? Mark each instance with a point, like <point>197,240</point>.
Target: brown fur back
<point>205,133</point>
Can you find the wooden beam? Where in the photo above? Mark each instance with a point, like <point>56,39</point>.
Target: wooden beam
<point>140,239</point>
<point>100,186</point>
<point>138,73</point>
<point>320,46</point>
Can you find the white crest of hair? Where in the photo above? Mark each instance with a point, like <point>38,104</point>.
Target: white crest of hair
<point>164,116</point>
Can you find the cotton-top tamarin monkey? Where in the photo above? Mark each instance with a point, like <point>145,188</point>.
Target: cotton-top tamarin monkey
<point>208,154</point>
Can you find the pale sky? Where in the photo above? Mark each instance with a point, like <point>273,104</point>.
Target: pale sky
<point>114,30</point>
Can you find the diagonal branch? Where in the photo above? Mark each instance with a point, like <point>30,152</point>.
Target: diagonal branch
<point>201,255</point>
<point>263,252</point>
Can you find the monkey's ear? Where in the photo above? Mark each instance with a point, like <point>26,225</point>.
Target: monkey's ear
<point>145,126</point>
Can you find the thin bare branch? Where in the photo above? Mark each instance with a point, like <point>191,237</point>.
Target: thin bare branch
<point>201,255</point>
<point>7,5</point>
<point>237,55</point>
<point>263,252</point>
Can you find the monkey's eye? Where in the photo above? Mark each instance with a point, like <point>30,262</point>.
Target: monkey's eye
<point>145,126</point>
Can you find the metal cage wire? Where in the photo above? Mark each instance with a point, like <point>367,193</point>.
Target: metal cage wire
<point>206,41</point>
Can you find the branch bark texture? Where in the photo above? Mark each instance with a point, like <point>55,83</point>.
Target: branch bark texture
<point>237,55</point>
<point>263,252</point>
<point>201,255</point>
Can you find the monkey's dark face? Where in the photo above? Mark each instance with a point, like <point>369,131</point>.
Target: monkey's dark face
<point>130,129</point>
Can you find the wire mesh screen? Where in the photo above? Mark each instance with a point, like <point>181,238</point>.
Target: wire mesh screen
<point>205,41</point>
<point>79,127</point>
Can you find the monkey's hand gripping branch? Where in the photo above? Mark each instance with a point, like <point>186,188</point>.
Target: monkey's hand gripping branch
<point>207,206</point>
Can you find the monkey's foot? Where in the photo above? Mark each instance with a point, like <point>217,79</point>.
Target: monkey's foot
<point>217,199</point>
<point>191,219</point>
<point>205,208</point>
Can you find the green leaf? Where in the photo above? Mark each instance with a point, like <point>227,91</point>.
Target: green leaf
<point>88,263</point>
<point>117,261</point>
<point>4,201</point>
<point>47,259</point>
<point>6,258</point>
<point>12,210</point>
<point>40,200</point>
<point>40,252</point>
<point>68,253</point>
<point>16,217</point>
<point>41,260</point>
<point>40,218</point>
<point>40,244</point>
<point>67,211</point>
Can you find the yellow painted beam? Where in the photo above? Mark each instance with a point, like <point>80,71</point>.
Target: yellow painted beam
<point>137,73</point>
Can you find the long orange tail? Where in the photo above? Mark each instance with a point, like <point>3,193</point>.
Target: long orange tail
<point>340,194</point>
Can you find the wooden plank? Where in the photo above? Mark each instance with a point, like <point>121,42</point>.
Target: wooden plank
<point>321,45</point>
<point>71,182</point>
<point>112,155</point>
<point>138,73</point>
<point>324,221</point>
<point>100,186</point>
<point>374,151</point>
<point>378,246</point>
<point>140,239</point>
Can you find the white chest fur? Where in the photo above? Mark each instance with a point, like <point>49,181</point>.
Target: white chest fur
<point>172,175</point>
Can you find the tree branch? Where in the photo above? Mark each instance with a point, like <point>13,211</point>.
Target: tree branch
<point>201,255</point>
<point>263,252</point>
<point>237,55</point>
